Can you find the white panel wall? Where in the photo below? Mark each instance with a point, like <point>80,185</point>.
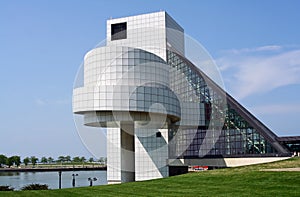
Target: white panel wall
<point>114,155</point>
<point>146,31</point>
<point>111,84</point>
<point>145,155</point>
<point>127,153</point>
<point>151,154</point>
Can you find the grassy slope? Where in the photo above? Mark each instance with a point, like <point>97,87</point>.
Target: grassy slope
<point>241,181</point>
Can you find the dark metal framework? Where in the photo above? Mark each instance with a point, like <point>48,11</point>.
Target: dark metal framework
<point>239,133</point>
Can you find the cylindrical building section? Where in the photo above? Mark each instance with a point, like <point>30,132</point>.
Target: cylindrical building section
<point>127,91</point>
<point>123,79</point>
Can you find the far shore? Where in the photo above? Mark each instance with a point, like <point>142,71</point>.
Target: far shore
<point>54,167</point>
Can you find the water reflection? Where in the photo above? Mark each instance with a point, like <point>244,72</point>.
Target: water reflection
<point>9,173</point>
<point>20,179</point>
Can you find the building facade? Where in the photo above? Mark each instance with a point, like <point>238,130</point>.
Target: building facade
<point>161,112</point>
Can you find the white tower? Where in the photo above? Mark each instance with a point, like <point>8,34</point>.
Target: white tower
<point>127,90</point>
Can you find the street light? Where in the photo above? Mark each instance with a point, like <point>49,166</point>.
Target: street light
<point>91,180</point>
<point>73,180</point>
<point>59,179</point>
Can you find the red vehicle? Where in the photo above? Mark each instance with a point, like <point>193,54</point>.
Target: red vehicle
<point>199,168</point>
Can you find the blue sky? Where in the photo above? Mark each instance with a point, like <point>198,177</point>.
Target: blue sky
<point>256,45</point>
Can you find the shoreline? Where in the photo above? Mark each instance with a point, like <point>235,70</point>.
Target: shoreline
<point>53,169</point>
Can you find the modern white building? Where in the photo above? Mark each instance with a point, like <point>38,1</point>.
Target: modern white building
<point>161,112</point>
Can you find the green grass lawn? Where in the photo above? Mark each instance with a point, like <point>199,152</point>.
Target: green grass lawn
<point>241,181</point>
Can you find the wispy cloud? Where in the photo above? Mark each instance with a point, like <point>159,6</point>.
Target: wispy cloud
<point>266,48</point>
<point>250,71</point>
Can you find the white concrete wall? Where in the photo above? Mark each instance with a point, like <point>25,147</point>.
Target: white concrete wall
<point>151,154</point>
<point>139,158</point>
<point>112,76</point>
<point>127,153</point>
<point>146,31</point>
<point>232,162</point>
<point>114,155</point>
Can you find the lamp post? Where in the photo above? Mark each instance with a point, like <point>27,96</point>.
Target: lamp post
<point>91,180</point>
<point>73,180</point>
<point>59,179</point>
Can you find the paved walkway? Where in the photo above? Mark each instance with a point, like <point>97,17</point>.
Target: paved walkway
<point>283,170</point>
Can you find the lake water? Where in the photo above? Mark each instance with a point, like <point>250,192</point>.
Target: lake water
<point>18,179</point>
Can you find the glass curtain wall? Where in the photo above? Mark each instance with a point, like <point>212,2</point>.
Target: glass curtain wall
<point>229,134</point>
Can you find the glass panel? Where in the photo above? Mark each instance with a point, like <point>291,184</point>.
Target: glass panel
<point>237,137</point>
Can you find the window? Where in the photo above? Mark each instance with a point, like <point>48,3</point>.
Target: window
<point>158,134</point>
<point>118,31</point>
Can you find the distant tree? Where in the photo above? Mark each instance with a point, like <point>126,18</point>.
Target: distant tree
<point>91,159</point>
<point>61,159</point>
<point>6,188</point>
<point>33,160</point>
<point>10,161</point>
<point>50,160</point>
<point>82,159</point>
<point>44,160</point>
<point>26,160</point>
<point>68,158</point>
<point>17,160</point>
<point>102,160</point>
<point>76,159</point>
<point>3,160</point>
<point>13,160</point>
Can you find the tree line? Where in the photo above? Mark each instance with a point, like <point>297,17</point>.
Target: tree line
<point>16,160</point>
